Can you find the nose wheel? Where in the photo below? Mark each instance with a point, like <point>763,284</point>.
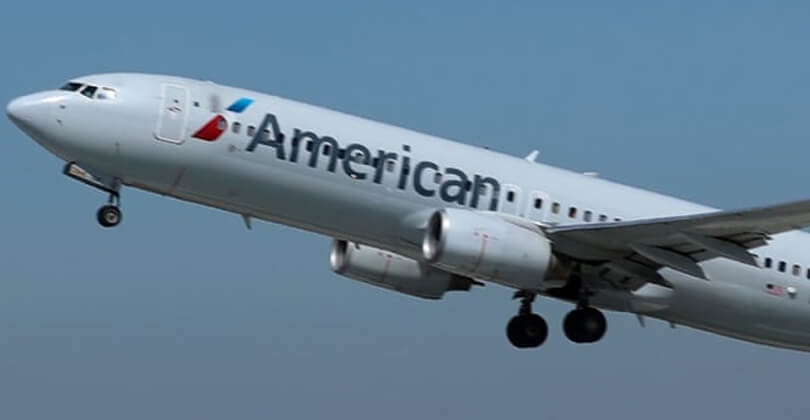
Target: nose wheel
<point>526,329</point>
<point>109,216</point>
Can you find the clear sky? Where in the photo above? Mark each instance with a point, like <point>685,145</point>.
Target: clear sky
<point>180,313</point>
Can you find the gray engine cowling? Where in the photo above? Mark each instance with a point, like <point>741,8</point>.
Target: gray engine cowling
<point>393,271</point>
<point>485,246</point>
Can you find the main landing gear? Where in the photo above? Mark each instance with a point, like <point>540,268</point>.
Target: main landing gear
<point>585,324</point>
<point>109,215</point>
<point>526,329</point>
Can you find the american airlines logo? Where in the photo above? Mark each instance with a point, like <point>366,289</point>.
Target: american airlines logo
<point>217,125</point>
<point>358,162</point>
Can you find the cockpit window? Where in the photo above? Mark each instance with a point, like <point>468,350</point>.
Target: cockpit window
<point>106,93</point>
<point>89,91</point>
<point>71,86</point>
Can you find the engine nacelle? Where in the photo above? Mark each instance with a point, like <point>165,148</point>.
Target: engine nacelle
<point>488,247</point>
<point>393,271</point>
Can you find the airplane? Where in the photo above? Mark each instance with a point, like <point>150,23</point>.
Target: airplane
<point>423,216</point>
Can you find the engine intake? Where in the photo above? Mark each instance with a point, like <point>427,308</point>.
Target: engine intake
<point>393,271</point>
<point>488,247</point>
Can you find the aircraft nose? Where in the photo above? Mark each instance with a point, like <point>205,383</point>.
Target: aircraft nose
<point>31,112</point>
<point>22,110</point>
<point>14,109</point>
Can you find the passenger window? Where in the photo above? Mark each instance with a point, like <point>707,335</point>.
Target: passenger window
<point>510,196</point>
<point>808,273</point>
<point>782,266</point>
<point>588,215</point>
<point>572,212</point>
<point>769,263</point>
<point>327,148</point>
<point>309,145</point>
<point>603,218</point>
<point>236,126</point>
<point>251,131</point>
<point>555,208</point>
<point>341,153</point>
<point>617,219</point>
<point>538,203</point>
<point>482,189</point>
<point>796,269</point>
<point>437,178</point>
<point>222,124</point>
<point>389,165</point>
<point>89,91</point>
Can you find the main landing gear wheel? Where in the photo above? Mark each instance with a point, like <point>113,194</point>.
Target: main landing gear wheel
<point>585,325</point>
<point>109,216</point>
<point>527,329</point>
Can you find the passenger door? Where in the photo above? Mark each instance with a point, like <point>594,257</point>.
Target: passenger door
<point>173,114</point>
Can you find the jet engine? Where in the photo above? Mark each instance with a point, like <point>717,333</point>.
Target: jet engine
<point>392,271</point>
<point>485,246</point>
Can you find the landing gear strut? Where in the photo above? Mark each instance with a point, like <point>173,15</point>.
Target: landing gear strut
<point>526,329</point>
<point>108,215</point>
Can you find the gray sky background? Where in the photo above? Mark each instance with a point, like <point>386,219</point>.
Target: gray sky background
<point>181,313</point>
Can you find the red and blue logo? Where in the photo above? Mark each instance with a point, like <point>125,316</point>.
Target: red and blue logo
<point>217,125</point>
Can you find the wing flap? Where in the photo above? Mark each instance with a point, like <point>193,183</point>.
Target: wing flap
<point>721,248</point>
<point>672,259</point>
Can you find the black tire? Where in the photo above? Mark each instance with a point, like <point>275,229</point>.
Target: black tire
<point>585,325</point>
<point>527,331</point>
<point>109,216</point>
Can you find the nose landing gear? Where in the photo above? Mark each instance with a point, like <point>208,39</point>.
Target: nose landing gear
<point>108,215</point>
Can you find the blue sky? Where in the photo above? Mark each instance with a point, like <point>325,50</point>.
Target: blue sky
<point>182,313</point>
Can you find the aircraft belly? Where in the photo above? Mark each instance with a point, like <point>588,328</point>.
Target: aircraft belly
<point>290,194</point>
<point>738,310</point>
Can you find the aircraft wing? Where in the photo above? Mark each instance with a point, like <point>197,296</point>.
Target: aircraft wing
<point>680,242</point>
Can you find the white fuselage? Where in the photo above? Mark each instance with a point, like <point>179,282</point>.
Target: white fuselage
<point>148,142</point>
